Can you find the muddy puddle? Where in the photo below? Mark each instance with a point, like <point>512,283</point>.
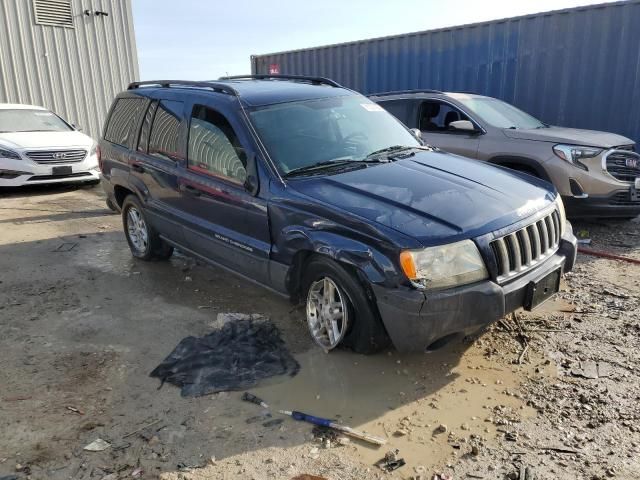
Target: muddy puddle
<point>404,398</point>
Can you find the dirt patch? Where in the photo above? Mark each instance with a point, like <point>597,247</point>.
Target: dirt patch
<point>84,324</point>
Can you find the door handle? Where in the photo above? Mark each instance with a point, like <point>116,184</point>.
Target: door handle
<point>191,190</point>
<point>136,167</point>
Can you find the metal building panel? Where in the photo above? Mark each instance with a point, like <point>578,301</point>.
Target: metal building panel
<point>577,67</point>
<point>76,71</point>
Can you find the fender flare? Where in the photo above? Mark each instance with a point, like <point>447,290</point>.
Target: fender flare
<point>298,243</point>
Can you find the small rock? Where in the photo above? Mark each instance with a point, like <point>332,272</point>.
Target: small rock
<point>442,428</point>
<point>464,426</point>
<point>401,432</point>
<point>475,451</point>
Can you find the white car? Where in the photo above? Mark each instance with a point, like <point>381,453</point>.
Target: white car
<point>37,146</point>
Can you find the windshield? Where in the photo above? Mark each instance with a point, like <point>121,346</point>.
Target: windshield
<point>499,114</point>
<point>31,121</point>
<point>305,133</point>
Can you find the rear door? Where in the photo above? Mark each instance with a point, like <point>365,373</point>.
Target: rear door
<point>155,163</point>
<point>434,118</point>
<point>223,221</point>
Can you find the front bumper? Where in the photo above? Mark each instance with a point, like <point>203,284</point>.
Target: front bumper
<point>617,204</point>
<point>415,320</point>
<point>17,173</point>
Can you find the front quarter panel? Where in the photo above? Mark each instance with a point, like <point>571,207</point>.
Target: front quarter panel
<point>303,225</point>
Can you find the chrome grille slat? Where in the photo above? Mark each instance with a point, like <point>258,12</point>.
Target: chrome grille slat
<point>52,157</point>
<point>536,241</point>
<point>519,251</point>
<point>615,163</point>
<point>503,256</point>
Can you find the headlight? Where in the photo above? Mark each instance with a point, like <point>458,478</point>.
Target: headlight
<point>444,266</point>
<point>6,153</point>
<point>93,150</point>
<point>573,154</point>
<point>563,214</point>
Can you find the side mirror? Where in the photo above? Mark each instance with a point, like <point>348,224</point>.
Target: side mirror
<point>463,126</point>
<point>416,133</point>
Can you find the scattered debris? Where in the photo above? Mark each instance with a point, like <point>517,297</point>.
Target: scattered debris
<point>390,461</point>
<point>98,445</point>
<point>592,370</point>
<point>141,428</point>
<point>75,410</point>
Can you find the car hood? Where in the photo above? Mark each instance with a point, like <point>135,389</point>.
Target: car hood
<point>26,140</point>
<point>573,136</point>
<point>434,197</point>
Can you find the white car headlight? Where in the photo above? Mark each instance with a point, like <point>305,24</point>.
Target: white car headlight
<point>94,149</point>
<point>444,266</point>
<point>563,214</point>
<point>573,154</point>
<point>10,154</point>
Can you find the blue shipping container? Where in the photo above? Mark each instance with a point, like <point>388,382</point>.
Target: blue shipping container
<point>577,67</point>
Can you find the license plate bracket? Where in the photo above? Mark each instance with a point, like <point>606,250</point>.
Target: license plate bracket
<point>539,291</point>
<point>63,170</point>
<point>634,191</point>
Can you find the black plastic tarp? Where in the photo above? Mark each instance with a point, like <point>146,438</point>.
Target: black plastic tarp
<point>236,356</point>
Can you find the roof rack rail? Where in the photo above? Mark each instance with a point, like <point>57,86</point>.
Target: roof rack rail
<point>403,92</point>
<point>218,87</point>
<point>305,78</point>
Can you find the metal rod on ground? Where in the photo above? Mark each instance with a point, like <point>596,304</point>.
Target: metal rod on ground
<point>247,397</point>
<point>611,256</point>
<point>324,422</point>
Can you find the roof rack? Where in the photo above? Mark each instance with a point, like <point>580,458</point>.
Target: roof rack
<point>218,87</point>
<point>402,92</point>
<point>304,78</point>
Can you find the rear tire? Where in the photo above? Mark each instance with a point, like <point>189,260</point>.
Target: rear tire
<point>144,242</point>
<point>364,332</point>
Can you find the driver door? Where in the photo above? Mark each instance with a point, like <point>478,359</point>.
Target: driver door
<point>434,119</point>
<point>223,221</point>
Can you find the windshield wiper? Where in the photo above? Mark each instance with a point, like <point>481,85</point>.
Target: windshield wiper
<point>338,162</point>
<point>391,149</point>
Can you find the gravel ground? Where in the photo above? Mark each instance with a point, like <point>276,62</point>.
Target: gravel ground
<point>550,394</point>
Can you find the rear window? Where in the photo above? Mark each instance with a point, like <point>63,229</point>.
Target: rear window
<point>123,122</point>
<point>164,141</point>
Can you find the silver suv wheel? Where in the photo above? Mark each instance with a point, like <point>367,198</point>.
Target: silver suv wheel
<point>137,230</point>
<point>327,313</point>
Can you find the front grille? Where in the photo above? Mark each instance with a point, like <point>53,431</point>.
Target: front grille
<point>56,157</point>
<point>623,165</point>
<point>522,250</point>
<point>622,199</point>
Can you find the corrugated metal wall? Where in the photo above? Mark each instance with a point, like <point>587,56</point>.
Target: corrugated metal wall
<point>578,67</point>
<point>75,71</point>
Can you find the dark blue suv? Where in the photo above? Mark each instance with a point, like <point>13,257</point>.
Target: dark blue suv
<point>317,193</point>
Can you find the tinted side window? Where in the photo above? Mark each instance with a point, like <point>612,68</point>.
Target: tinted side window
<point>143,142</point>
<point>436,116</point>
<point>214,147</point>
<point>399,109</point>
<point>164,141</point>
<point>124,119</point>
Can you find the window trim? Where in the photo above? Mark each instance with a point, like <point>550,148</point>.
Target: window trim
<point>153,102</point>
<point>180,133</point>
<point>130,140</point>
<point>208,173</point>
<point>481,129</point>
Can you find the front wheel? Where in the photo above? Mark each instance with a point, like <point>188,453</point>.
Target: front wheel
<point>339,312</point>
<point>143,241</point>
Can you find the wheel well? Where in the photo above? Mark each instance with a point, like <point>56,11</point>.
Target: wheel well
<point>521,165</point>
<point>302,258</point>
<point>120,193</point>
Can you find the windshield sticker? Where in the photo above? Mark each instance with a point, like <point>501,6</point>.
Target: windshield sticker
<point>372,107</point>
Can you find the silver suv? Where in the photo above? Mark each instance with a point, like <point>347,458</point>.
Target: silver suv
<point>597,173</point>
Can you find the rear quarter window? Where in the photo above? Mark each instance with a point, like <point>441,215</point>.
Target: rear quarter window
<point>125,117</point>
